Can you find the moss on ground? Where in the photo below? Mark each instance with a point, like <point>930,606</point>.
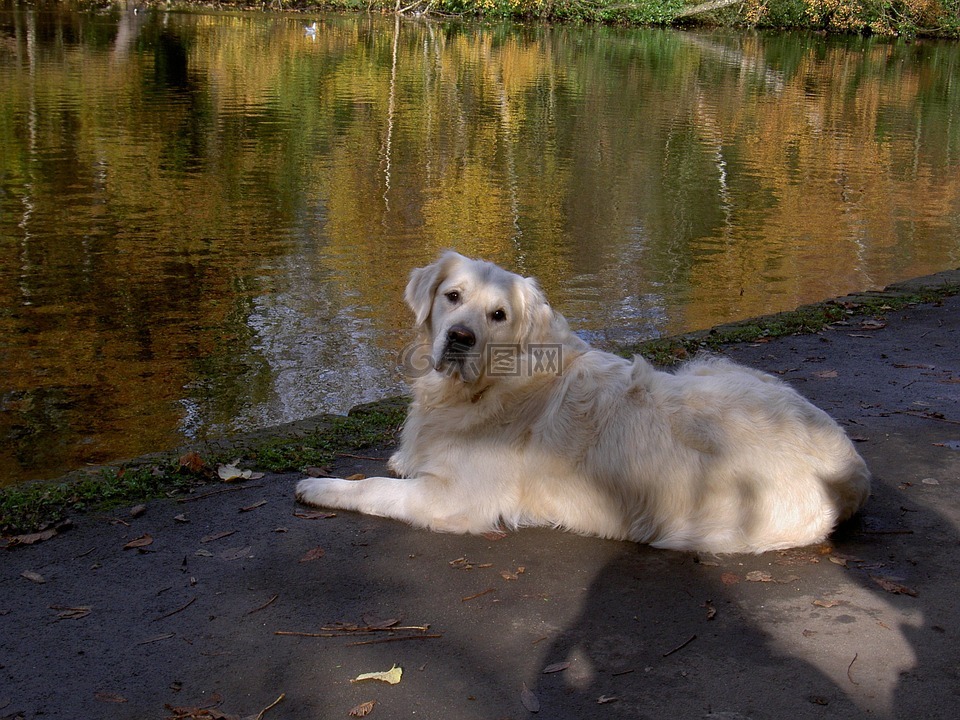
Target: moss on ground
<point>35,506</point>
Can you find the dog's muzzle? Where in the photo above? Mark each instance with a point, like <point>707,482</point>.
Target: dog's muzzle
<point>458,350</point>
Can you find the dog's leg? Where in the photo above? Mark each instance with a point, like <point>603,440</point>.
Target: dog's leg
<point>424,502</point>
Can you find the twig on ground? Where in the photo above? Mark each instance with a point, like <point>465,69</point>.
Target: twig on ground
<point>681,646</point>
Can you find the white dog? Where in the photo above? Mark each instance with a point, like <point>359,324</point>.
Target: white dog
<point>517,422</point>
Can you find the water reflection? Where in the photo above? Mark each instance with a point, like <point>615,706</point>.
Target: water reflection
<point>206,221</point>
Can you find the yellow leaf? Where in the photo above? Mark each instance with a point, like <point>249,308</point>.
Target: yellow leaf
<point>391,676</point>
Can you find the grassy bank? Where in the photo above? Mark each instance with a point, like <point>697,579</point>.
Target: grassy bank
<point>906,18</point>
<point>38,506</point>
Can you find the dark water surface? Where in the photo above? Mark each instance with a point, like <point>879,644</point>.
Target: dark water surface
<point>206,221</point>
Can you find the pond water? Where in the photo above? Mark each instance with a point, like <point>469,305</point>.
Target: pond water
<point>207,220</point>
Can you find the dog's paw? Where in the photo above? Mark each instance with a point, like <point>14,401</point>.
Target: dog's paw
<point>313,491</point>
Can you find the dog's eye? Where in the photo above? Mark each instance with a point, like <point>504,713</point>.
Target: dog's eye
<point>453,296</point>
<point>498,315</point>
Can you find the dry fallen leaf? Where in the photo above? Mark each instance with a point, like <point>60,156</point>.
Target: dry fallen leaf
<point>759,576</point>
<point>254,506</point>
<point>315,515</point>
<point>529,699</point>
<point>316,471</point>
<point>314,554</point>
<point>555,668</point>
<point>391,676</point>
<point>109,697</point>
<point>140,542</point>
<point>379,624</point>
<point>729,578</point>
<point>363,709</point>
<point>237,553</point>
<point>357,476</point>
<point>892,586</point>
<point>71,613</point>
<point>216,536</point>
<point>826,603</point>
<point>711,610</point>
<point>32,538</point>
<point>137,510</point>
<point>494,536</point>
<point>192,462</point>
<point>230,473</point>
<point>826,374</point>
<point>198,713</point>
<point>33,577</point>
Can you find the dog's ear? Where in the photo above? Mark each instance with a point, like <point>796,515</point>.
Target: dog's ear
<point>538,316</point>
<point>424,282</point>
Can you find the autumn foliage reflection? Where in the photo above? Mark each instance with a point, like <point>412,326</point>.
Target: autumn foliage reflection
<point>206,221</point>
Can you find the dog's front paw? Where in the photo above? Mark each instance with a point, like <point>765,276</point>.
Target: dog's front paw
<point>314,491</point>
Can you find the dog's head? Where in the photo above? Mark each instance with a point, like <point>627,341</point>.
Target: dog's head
<point>474,314</point>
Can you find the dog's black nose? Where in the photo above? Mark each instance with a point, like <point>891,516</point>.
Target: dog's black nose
<point>462,336</point>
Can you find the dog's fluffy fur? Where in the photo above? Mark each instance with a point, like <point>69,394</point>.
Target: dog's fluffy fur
<point>714,457</point>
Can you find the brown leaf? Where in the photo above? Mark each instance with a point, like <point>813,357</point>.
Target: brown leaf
<point>507,575</point>
<point>192,462</point>
<point>314,554</point>
<point>71,613</point>
<point>316,471</point>
<point>248,508</point>
<point>555,668</point>
<point>363,709</point>
<point>140,542</point>
<point>826,374</point>
<point>137,510</point>
<point>33,577</point>
<point>198,713</point>
<point>237,553</point>
<point>759,576</point>
<point>826,603</point>
<point>32,538</point>
<point>216,536</point>
<point>529,699</point>
<point>892,586</point>
<point>315,515</point>
<point>378,624</point>
<point>729,578</point>
<point>358,476</point>
<point>711,610</point>
<point>109,697</point>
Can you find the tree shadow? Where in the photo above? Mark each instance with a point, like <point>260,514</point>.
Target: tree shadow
<point>863,626</point>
